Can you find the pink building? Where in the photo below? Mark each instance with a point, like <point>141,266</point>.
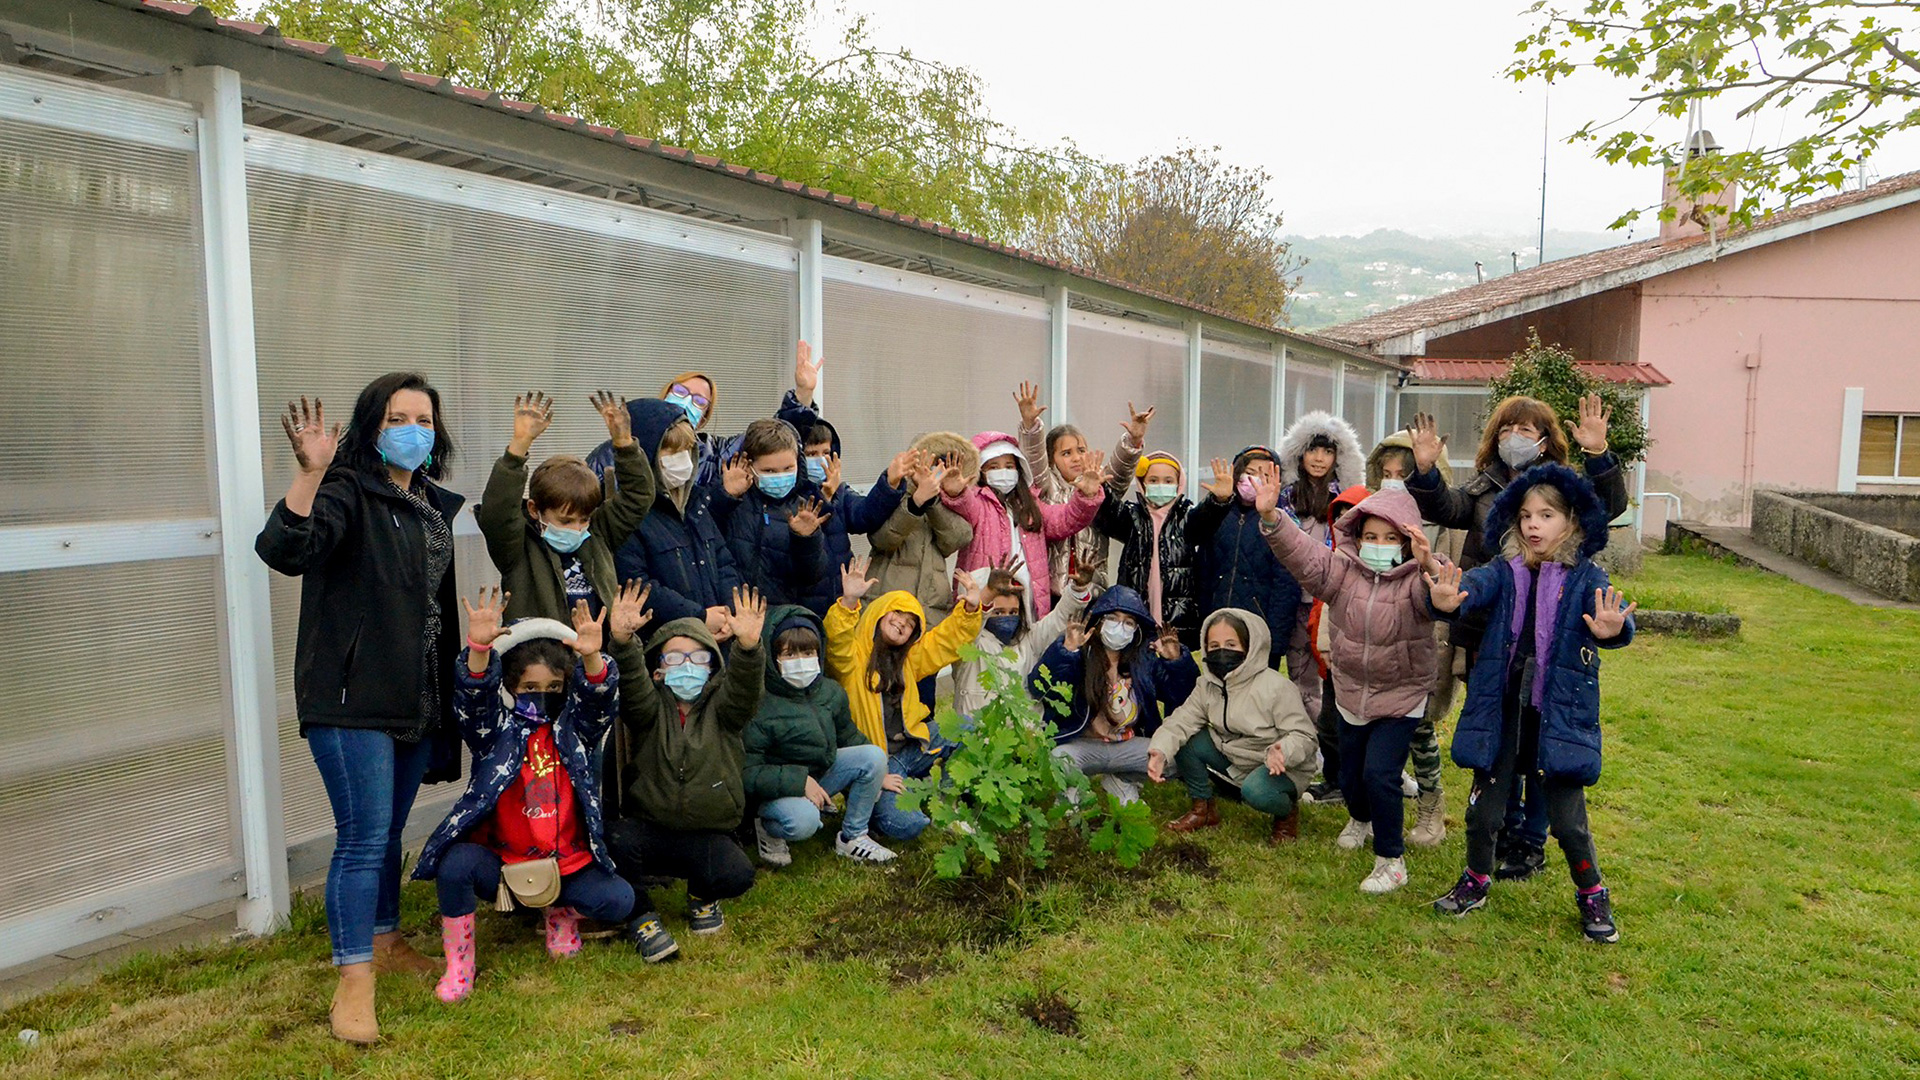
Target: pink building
<point>1786,355</point>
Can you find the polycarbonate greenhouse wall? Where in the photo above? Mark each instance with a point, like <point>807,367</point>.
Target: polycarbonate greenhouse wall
<point>173,277</point>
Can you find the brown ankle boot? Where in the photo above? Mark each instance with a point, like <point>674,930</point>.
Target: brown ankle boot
<point>352,1014</point>
<point>393,956</point>
<point>1202,816</point>
<point>1286,829</point>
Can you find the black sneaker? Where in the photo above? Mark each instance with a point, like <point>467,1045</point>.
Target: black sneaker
<point>650,939</point>
<point>1523,860</point>
<point>1467,894</point>
<point>1596,917</point>
<point>1321,792</point>
<point>705,918</point>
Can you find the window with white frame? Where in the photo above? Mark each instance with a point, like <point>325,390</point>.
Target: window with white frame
<point>1889,446</point>
<point>1458,411</point>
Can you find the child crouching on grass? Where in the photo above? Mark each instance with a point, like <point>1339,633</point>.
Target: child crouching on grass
<point>1533,696</point>
<point>533,700</point>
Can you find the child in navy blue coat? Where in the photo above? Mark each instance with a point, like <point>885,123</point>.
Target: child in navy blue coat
<point>1533,696</point>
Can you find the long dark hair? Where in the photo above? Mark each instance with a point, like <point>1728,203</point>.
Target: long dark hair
<point>358,447</point>
<point>1094,681</point>
<point>1020,501</point>
<point>1311,498</point>
<point>887,664</point>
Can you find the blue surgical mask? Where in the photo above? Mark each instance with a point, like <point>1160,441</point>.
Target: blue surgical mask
<point>776,485</point>
<point>1161,494</point>
<point>686,681</point>
<point>408,446</point>
<point>564,541</point>
<point>1002,627</point>
<point>1381,558</point>
<point>688,406</point>
<point>540,705</point>
<point>817,469</point>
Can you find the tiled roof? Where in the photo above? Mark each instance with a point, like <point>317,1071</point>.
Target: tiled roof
<point>322,52</point>
<point>1563,273</point>
<point>1479,371</point>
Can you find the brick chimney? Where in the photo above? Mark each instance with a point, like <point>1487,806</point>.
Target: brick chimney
<point>1691,219</point>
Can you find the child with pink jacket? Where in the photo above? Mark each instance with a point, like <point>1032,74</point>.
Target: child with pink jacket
<point>1006,517</point>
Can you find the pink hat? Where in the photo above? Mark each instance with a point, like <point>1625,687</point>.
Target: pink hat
<point>992,444</point>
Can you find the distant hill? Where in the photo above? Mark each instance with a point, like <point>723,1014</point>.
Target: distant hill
<point>1348,277</point>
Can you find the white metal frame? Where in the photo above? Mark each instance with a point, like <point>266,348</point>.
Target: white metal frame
<point>1060,316</point>
<point>1852,404</point>
<point>853,272</point>
<point>1196,352</point>
<point>812,314</point>
<point>1279,423</point>
<point>73,106</point>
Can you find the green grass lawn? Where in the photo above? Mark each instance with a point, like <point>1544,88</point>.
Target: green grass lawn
<point>1757,822</point>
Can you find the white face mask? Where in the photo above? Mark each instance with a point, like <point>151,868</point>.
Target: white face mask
<point>800,671</point>
<point>1393,483</point>
<point>1115,634</point>
<point>676,469</point>
<point>1002,480</point>
<point>1518,451</point>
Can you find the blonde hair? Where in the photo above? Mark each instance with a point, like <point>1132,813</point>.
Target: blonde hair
<point>1567,550</point>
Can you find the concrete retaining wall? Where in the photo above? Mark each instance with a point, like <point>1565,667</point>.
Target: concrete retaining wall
<point>1823,529</point>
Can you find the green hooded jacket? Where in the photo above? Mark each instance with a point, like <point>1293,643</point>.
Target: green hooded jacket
<point>797,732</point>
<point>687,775</point>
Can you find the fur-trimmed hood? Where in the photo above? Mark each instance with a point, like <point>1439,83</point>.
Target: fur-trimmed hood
<point>1587,507</point>
<point>1350,462</point>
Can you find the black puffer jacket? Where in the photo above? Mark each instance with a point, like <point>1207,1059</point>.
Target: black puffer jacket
<point>1131,524</point>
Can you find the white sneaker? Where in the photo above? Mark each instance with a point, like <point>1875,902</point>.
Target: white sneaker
<point>1355,834</point>
<point>1388,875</point>
<point>862,848</point>
<point>773,850</point>
<point>1409,787</point>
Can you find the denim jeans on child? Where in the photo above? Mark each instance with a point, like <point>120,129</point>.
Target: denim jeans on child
<point>856,770</point>
<point>1261,790</point>
<point>371,779</point>
<point>470,873</point>
<point>1121,766</point>
<point>914,761</point>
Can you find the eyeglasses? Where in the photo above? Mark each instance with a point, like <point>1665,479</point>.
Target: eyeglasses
<point>676,658</point>
<point>698,399</point>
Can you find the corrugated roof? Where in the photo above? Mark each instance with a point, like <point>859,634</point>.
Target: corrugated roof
<point>322,52</point>
<point>1552,277</point>
<point>1479,371</point>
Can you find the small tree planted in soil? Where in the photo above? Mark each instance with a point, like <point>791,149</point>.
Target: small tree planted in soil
<point>1003,793</point>
<point>1549,373</point>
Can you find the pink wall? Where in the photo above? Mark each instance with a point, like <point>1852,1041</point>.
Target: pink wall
<point>1834,308</point>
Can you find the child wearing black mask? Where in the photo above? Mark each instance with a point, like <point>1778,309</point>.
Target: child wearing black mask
<point>1005,627</point>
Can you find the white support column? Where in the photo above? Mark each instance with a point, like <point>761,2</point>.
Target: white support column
<point>1339,387</point>
<point>1191,451</point>
<point>1851,406</point>
<point>812,305</point>
<point>1278,427</point>
<point>1640,470</point>
<point>248,619</point>
<point>1380,407</point>
<point>1057,355</point>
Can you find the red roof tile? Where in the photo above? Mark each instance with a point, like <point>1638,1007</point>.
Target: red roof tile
<point>1478,371</point>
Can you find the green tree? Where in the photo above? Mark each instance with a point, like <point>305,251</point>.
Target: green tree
<point>1847,68</point>
<point>1550,373</point>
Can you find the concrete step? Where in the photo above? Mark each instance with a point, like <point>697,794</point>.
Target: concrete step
<point>1737,544</point>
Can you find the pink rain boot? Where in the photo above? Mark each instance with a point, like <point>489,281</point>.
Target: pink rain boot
<point>563,931</point>
<point>456,941</point>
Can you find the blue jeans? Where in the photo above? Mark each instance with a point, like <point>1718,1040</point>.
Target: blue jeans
<point>856,770</point>
<point>470,872</point>
<point>371,780</point>
<point>914,761</point>
<point>1372,756</point>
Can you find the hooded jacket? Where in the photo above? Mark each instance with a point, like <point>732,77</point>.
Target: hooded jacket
<point>1349,467</point>
<point>679,551</point>
<point>1159,685</point>
<point>531,572</point>
<point>687,775</point>
<point>710,452</point>
<point>1569,746</point>
<point>1245,713</point>
<point>1089,545</point>
<point>1379,626</point>
<point>853,512</point>
<point>850,647</point>
<point>1467,506</point>
<point>992,526</point>
<point>911,548</point>
<point>1130,521</point>
<point>1236,568</point>
<point>797,731</point>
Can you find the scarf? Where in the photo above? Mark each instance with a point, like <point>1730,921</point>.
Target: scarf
<point>1553,577</point>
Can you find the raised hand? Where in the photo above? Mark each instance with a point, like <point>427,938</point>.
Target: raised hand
<point>806,372</point>
<point>1609,614</point>
<point>904,464</point>
<point>1266,495</point>
<point>629,613</point>
<point>1422,550</point>
<point>1427,443</point>
<point>1222,486</point>
<point>1028,399</point>
<point>854,582</point>
<point>1167,645</point>
<point>737,476</point>
<point>1002,580</point>
<point>1075,635</point>
<point>485,623</point>
<point>807,517</point>
<point>532,413</point>
<point>1444,585</point>
<point>953,482</point>
<point>1092,479</point>
<point>1591,431</point>
<point>314,444</point>
<point>749,615</point>
<point>926,481</point>
<point>589,632</point>
<point>1086,573</point>
<point>1156,766</point>
<point>613,410</point>
<point>1136,426</point>
<point>831,485</point>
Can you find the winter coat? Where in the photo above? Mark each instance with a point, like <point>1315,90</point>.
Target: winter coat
<point>853,512</point>
<point>771,557</point>
<point>1379,627</point>
<point>687,776</point>
<point>969,695</point>
<point>497,736</point>
<point>1569,747</point>
<point>1469,505</point>
<point>680,552</point>
<point>797,731</point>
<point>1131,523</point>
<point>1349,461</point>
<point>850,648</point>
<point>1159,685</point>
<point>361,559</point>
<point>530,570</point>
<point>993,528</point>
<point>1089,545</point>
<point>1235,567</point>
<point>710,452</point>
<point>911,548</point>
<point>1245,713</point>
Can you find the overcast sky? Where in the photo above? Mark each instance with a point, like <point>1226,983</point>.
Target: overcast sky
<point>1368,114</point>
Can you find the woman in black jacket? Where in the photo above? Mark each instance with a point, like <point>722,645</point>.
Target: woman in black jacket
<point>371,537</point>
